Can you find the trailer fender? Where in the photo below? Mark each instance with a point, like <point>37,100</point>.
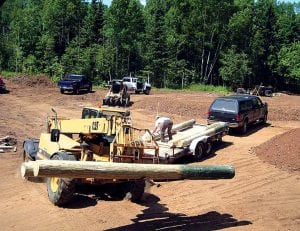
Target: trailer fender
<point>194,143</point>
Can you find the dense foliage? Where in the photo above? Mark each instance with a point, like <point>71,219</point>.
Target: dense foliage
<point>177,43</point>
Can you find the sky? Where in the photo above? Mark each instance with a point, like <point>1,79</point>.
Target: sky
<point>107,2</point>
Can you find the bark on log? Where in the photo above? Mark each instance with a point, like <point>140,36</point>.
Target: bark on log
<point>124,171</point>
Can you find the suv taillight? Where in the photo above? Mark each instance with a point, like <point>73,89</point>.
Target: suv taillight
<point>238,118</point>
<point>208,114</point>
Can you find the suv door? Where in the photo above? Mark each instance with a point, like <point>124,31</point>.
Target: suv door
<point>257,105</point>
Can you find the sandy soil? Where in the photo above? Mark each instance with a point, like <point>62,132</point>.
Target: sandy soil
<point>264,195</point>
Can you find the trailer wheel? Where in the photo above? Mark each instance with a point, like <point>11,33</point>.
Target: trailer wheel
<point>135,190</point>
<point>199,151</point>
<point>208,148</point>
<point>61,190</point>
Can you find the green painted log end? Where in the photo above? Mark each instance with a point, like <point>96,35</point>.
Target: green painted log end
<point>213,172</point>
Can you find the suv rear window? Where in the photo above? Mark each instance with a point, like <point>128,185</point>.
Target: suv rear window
<point>225,105</point>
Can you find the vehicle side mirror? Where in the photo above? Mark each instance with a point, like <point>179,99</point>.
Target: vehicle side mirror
<point>55,133</point>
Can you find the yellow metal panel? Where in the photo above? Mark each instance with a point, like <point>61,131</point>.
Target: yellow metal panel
<point>84,126</point>
<point>65,143</point>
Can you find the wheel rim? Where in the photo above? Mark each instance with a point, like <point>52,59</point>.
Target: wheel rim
<point>54,184</point>
<point>199,151</point>
<point>209,147</point>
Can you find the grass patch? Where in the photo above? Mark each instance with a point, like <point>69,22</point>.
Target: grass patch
<point>210,88</point>
<point>198,87</point>
<point>8,74</point>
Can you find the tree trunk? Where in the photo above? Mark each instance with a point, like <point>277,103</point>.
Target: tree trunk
<point>123,171</point>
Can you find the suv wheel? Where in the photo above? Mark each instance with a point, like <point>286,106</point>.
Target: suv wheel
<point>265,118</point>
<point>244,128</point>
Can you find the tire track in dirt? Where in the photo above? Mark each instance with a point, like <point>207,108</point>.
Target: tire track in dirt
<point>260,197</point>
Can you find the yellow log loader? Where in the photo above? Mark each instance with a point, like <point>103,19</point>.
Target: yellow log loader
<point>104,135</point>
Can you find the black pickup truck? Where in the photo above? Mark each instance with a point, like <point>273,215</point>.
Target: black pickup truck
<point>74,83</point>
<point>238,110</point>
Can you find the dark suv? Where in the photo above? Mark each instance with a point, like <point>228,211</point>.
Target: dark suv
<point>238,111</point>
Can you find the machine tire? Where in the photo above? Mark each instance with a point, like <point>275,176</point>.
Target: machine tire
<point>199,151</point>
<point>61,190</point>
<point>137,92</point>
<point>90,88</point>
<point>62,91</point>
<point>135,190</point>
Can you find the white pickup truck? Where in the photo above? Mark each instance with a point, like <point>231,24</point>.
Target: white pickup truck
<point>135,85</point>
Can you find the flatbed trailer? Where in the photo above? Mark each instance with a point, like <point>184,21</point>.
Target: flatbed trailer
<point>196,140</point>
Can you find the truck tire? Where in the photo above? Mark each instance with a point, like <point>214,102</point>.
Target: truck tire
<point>62,91</point>
<point>199,151</point>
<point>265,118</point>
<point>76,91</point>
<point>134,190</point>
<point>137,92</point>
<point>244,128</point>
<point>147,91</point>
<point>61,190</point>
<point>90,88</point>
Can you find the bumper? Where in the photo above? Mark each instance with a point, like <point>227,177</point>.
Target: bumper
<point>230,125</point>
<point>67,88</point>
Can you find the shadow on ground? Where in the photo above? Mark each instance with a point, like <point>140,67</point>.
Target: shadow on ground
<point>156,217</point>
<point>253,128</point>
<point>191,159</point>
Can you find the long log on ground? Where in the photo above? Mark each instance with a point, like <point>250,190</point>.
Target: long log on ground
<point>124,171</point>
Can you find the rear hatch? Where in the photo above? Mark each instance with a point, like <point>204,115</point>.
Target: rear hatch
<point>225,110</point>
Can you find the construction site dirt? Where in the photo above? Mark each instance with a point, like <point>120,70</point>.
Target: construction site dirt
<point>264,195</point>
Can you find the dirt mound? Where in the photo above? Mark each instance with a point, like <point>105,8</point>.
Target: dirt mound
<point>33,81</point>
<point>282,150</point>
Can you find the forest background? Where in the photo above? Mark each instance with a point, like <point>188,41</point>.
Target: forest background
<point>233,43</point>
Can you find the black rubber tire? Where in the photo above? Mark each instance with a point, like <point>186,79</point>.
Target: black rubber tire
<point>147,92</point>
<point>199,151</point>
<point>90,88</point>
<point>137,92</point>
<point>65,187</point>
<point>134,190</point>
<point>208,148</point>
<point>62,91</point>
<point>244,128</point>
<point>76,91</point>
<point>265,118</point>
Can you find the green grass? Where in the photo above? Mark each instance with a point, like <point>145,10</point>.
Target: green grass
<point>8,74</point>
<point>198,87</point>
<point>210,88</point>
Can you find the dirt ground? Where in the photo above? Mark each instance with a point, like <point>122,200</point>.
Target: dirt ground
<point>264,195</point>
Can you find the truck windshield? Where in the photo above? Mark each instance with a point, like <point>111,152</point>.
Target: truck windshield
<point>224,105</point>
<point>126,79</point>
<point>73,77</point>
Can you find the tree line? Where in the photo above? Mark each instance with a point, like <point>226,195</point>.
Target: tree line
<point>235,43</point>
